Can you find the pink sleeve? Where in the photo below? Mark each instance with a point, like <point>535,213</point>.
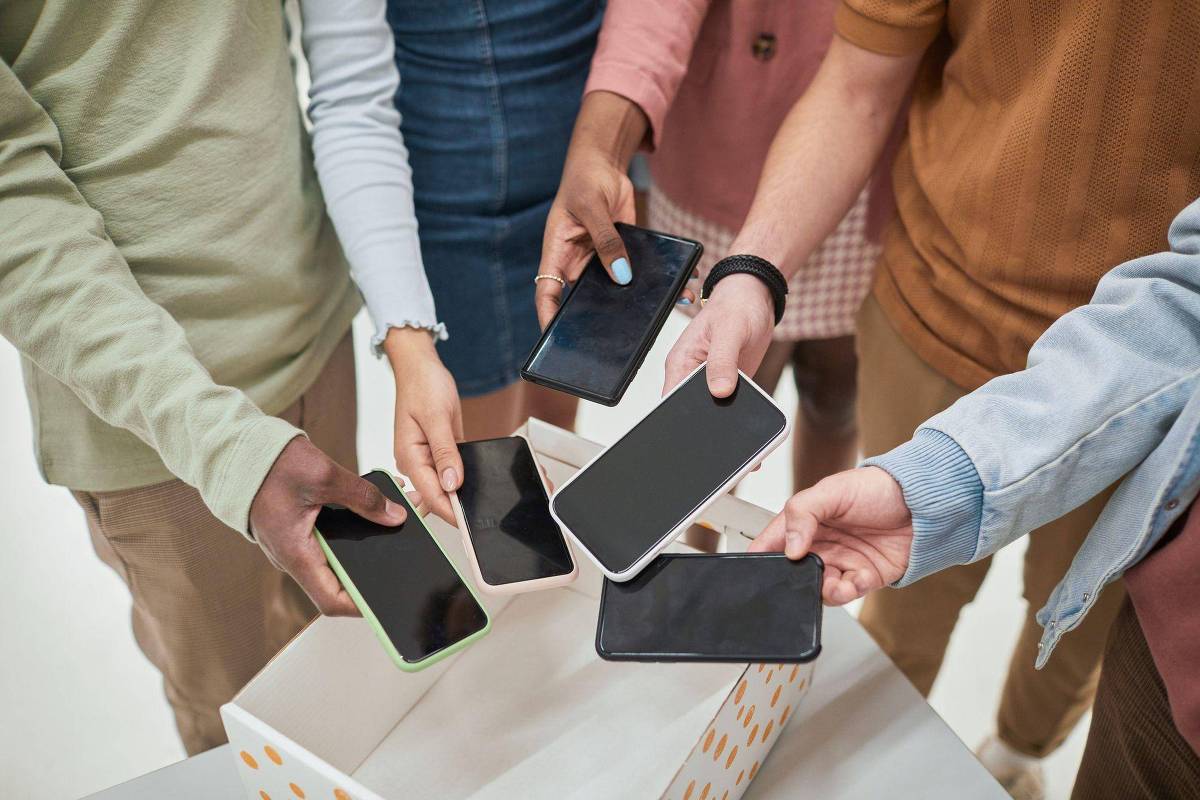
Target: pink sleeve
<point>643,53</point>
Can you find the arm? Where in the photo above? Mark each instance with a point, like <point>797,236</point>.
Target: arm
<point>363,168</point>
<point>644,49</point>
<point>69,302</point>
<point>1103,386</point>
<point>818,163</point>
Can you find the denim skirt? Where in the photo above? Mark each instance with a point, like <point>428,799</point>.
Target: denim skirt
<point>489,91</point>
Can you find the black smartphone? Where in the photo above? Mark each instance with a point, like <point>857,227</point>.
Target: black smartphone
<point>403,583</point>
<point>759,607</point>
<point>504,513</point>
<point>598,339</point>
<point>634,498</point>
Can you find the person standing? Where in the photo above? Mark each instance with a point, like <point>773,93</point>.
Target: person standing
<point>1111,394</point>
<point>488,93</point>
<point>182,306</point>
<point>661,71</point>
<point>1043,144</point>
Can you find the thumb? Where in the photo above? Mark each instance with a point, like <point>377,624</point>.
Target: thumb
<point>360,496</point>
<point>722,369</point>
<point>771,539</point>
<point>609,246</point>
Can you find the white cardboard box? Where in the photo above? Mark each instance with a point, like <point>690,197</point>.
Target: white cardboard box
<point>529,711</point>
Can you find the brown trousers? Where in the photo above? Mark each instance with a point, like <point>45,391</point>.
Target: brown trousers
<point>1038,708</point>
<point>209,610</point>
<point>1134,749</point>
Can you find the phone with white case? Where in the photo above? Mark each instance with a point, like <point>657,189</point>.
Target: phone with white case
<point>640,493</point>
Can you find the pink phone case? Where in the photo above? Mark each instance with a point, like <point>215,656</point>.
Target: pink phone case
<point>517,587</point>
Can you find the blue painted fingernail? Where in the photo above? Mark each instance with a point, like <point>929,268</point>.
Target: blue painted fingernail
<point>683,301</point>
<point>621,271</point>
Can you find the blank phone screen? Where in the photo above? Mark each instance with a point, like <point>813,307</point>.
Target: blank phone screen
<point>507,513</point>
<point>671,463</point>
<point>743,607</point>
<point>404,577</point>
<point>594,343</point>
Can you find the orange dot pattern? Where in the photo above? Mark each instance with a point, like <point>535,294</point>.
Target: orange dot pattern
<point>762,702</point>
<point>275,758</point>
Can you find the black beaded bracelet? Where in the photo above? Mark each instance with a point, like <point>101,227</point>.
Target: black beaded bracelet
<point>760,268</point>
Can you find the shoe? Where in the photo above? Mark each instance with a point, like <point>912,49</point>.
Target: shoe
<point>1020,775</point>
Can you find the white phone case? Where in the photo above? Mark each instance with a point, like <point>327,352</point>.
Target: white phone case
<point>632,571</point>
<point>517,587</point>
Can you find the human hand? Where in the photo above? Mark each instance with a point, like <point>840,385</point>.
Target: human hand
<point>285,509</point>
<point>428,418</point>
<point>732,331</point>
<point>859,525</point>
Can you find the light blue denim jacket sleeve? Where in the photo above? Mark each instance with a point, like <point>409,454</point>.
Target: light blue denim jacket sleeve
<point>1100,399</point>
<point>361,161</point>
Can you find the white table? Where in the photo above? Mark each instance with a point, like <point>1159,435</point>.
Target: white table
<point>862,731</point>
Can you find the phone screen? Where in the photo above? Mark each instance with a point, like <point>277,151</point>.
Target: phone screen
<point>736,607</point>
<point>594,344</point>
<point>669,464</point>
<point>507,513</point>
<point>407,581</point>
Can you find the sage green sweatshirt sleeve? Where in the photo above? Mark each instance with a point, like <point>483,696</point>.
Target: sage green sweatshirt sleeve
<point>69,303</point>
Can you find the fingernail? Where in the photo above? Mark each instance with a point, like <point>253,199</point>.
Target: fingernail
<point>394,511</point>
<point>621,271</point>
<point>683,301</point>
<point>449,479</point>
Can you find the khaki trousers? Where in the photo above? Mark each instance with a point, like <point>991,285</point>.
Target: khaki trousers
<point>1038,708</point>
<point>209,610</point>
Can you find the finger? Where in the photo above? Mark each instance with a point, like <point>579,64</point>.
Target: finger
<point>448,464</point>
<point>687,354</point>
<point>417,463</point>
<point>311,570</point>
<point>360,496</point>
<point>772,538</point>
<point>725,346</point>
<point>547,297</point>
<point>607,241</point>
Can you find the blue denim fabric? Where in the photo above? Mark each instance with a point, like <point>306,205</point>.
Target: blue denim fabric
<point>489,91</point>
<point>1112,390</point>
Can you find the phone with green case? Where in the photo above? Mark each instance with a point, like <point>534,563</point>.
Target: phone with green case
<point>405,585</point>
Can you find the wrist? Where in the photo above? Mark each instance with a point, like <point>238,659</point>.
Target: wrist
<point>609,126</point>
<point>748,291</point>
<point>402,345</point>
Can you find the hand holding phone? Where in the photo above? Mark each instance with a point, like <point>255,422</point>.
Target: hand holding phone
<point>406,587</point>
<point>598,339</point>
<point>502,509</point>
<point>635,497</point>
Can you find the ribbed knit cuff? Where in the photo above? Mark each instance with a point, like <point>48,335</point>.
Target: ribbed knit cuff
<point>942,489</point>
<point>247,463</point>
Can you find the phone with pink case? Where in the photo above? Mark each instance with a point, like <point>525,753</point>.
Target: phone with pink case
<point>503,511</point>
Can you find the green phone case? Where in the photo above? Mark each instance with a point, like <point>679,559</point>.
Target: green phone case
<point>373,621</point>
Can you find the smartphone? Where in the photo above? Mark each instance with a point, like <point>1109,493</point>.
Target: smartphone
<point>503,511</point>
<point>598,339</point>
<point>757,607</point>
<point>406,587</point>
<point>635,497</point>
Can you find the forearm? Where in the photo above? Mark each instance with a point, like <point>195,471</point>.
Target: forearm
<point>643,54</point>
<point>362,162</point>
<point>69,302</point>
<point>1103,386</point>
<point>824,153</point>
<point>609,126</point>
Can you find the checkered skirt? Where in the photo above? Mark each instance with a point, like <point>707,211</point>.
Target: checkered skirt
<point>823,296</point>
